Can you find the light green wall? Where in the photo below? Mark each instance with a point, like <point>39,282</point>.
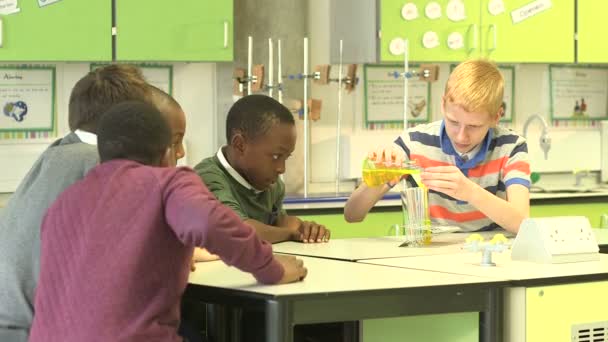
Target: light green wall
<point>378,223</point>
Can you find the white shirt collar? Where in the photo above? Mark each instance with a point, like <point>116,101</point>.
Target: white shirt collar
<point>86,137</point>
<point>234,173</point>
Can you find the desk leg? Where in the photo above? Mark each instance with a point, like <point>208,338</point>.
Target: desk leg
<point>491,320</point>
<point>279,326</point>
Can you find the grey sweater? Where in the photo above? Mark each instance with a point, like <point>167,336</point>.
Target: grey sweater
<point>63,163</point>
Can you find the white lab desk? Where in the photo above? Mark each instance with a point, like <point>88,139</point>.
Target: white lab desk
<point>375,248</point>
<point>544,302</point>
<point>346,291</point>
<point>520,273</point>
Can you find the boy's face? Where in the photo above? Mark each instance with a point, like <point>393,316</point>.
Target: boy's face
<point>177,123</point>
<point>263,158</point>
<point>465,129</point>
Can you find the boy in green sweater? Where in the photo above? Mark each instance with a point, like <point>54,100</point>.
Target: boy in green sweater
<point>244,174</point>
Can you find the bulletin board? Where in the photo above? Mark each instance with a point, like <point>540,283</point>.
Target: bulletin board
<point>508,98</point>
<point>578,92</point>
<point>383,96</point>
<point>160,76</point>
<point>27,97</point>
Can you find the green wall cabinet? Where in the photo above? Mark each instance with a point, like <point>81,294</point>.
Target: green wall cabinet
<point>592,33</point>
<point>504,31</point>
<point>393,26</point>
<point>188,30</point>
<point>62,31</point>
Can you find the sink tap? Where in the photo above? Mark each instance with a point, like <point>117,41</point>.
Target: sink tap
<point>579,175</point>
<point>545,139</point>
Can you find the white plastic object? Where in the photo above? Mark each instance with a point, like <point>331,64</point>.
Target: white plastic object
<point>397,46</point>
<point>409,11</point>
<point>455,10</point>
<point>433,10</point>
<point>496,7</point>
<point>455,41</point>
<point>555,240</point>
<point>430,39</point>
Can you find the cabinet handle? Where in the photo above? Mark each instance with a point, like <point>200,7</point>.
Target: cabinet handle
<point>473,46</point>
<point>493,29</point>
<point>1,32</point>
<point>225,34</point>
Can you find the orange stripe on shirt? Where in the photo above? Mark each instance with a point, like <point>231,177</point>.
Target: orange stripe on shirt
<point>521,166</point>
<point>488,168</point>
<point>438,211</point>
<point>425,162</point>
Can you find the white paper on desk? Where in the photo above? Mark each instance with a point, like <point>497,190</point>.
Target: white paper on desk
<point>9,7</point>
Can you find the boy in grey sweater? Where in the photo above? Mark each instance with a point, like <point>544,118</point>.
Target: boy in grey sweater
<point>64,162</point>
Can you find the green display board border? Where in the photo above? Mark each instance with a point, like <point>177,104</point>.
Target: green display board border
<point>380,122</point>
<point>551,99</point>
<point>52,68</point>
<point>93,66</point>
<point>511,69</point>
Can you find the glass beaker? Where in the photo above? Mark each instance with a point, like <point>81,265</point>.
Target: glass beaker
<point>377,174</point>
<point>416,215</point>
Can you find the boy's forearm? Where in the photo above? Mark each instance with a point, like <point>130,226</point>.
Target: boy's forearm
<point>507,215</point>
<point>290,222</point>
<point>269,233</point>
<point>362,200</point>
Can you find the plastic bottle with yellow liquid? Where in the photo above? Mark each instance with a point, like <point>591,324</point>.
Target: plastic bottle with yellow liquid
<point>375,175</point>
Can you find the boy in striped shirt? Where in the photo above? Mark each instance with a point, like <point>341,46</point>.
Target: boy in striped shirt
<point>477,173</point>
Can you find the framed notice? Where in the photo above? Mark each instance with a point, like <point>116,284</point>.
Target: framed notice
<point>384,96</point>
<point>578,92</point>
<point>27,97</point>
<point>160,76</point>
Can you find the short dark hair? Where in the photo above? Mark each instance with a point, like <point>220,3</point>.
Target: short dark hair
<point>163,101</point>
<point>133,130</point>
<point>101,88</point>
<point>253,115</point>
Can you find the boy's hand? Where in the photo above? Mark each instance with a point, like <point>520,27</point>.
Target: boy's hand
<point>310,231</point>
<point>294,269</point>
<point>390,155</point>
<point>448,180</point>
<point>192,265</point>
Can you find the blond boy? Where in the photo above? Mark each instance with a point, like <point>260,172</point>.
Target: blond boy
<point>477,173</point>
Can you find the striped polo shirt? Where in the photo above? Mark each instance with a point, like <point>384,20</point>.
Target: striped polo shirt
<point>502,160</point>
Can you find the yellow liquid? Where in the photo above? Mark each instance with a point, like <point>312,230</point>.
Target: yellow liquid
<point>377,177</point>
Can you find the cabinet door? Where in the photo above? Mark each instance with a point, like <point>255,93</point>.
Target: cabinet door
<point>592,31</point>
<point>464,25</point>
<point>556,313</point>
<point>186,30</point>
<point>528,31</point>
<point>62,31</point>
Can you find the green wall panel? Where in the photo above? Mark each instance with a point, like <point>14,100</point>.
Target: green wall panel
<point>378,223</point>
<point>546,37</point>
<point>189,30</point>
<point>68,30</point>
<point>592,31</point>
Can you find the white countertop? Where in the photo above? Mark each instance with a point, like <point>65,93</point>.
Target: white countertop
<point>374,248</point>
<point>329,276</point>
<point>467,263</point>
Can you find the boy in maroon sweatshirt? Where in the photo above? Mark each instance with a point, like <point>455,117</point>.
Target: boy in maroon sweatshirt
<point>116,245</point>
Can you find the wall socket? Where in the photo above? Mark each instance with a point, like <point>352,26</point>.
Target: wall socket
<point>555,240</point>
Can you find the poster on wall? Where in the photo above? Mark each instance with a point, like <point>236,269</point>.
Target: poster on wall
<point>578,92</point>
<point>384,96</point>
<point>160,76</point>
<point>27,99</point>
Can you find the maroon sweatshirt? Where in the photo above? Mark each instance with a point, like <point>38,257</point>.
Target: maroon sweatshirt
<point>116,249</point>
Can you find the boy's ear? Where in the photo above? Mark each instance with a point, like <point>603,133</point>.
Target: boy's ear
<point>238,142</point>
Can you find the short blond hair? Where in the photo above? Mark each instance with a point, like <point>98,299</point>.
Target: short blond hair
<point>477,86</point>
